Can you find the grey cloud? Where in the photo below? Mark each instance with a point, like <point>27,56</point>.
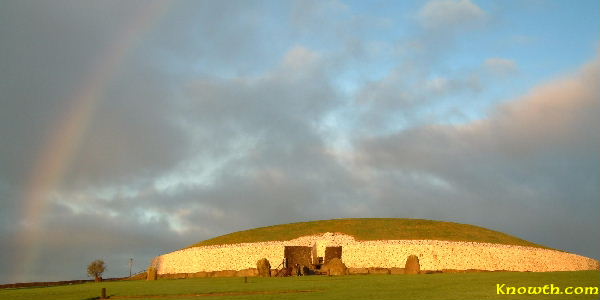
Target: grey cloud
<point>534,160</point>
<point>132,132</point>
<point>287,168</point>
<point>135,131</point>
<point>290,100</point>
<point>221,37</point>
<point>325,21</point>
<point>282,175</point>
<point>48,53</point>
<point>70,240</point>
<point>46,60</point>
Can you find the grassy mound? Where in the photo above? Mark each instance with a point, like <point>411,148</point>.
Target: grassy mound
<point>372,229</point>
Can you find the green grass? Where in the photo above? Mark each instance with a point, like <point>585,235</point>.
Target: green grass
<point>433,286</point>
<point>372,229</point>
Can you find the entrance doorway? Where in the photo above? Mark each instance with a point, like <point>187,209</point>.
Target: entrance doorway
<point>333,252</point>
<point>297,255</point>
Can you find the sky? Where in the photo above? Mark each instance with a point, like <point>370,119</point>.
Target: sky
<point>131,129</point>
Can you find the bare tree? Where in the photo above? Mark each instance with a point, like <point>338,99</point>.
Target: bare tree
<point>95,269</point>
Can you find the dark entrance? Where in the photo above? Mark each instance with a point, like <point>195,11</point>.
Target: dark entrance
<point>333,252</point>
<point>297,255</point>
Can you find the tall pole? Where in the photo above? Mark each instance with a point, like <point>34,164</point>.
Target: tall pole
<point>130,265</point>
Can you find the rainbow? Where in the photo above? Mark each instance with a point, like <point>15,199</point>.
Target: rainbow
<point>63,141</point>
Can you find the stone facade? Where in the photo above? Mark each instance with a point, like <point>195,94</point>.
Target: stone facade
<point>433,255</point>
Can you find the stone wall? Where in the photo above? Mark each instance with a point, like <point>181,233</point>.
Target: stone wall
<point>433,255</point>
<point>439,255</point>
<point>217,258</point>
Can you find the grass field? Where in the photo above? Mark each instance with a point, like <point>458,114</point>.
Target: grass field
<point>373,229</point>
<point>431,286</point>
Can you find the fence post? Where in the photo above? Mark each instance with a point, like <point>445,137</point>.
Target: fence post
<point>103,293</point>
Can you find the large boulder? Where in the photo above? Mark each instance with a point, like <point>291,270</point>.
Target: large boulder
<point>264,268</point>
<point>335,267</point>
<point>412,265</point>
<point>152,273</point>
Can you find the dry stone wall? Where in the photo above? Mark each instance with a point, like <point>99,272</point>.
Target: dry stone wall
<point>433,255</point>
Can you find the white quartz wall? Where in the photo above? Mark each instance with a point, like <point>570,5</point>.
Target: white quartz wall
<point>217,258</point>
<point>439,255</point>
<point>433,255</point>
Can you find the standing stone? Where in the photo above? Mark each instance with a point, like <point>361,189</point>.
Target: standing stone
<point>264,268</point>
<point>335,267</point>
<point>151,273</point>
<point>412,265</point>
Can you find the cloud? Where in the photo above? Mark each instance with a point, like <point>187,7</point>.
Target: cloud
<point>394,101</point>
<point>306,13</point>
<point>272,159</point>
<point>441,26</point>
<point>46,61</point>
<point>71,240</point>
<point>559,113</point>
<point>450,14</point>
<point>422,80</point>
<point>269,127</point>
<point>49,53</point>
<point>532,158</point>
<point>292,97</point>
